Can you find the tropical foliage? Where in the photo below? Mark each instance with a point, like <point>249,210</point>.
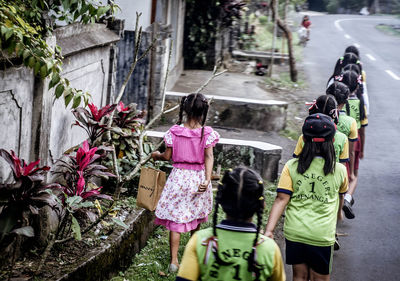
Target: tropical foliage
<point>24,27</point>
<point>23,197</point>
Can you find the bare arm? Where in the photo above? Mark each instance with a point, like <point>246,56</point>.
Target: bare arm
<point>281,200</point>
<point>209,163</point>
<point>362,136</point>
<point>165,156</point>
<point>351,156</point>
<point>341,202</point>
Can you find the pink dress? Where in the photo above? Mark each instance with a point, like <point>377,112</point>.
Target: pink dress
<point>179,208</point>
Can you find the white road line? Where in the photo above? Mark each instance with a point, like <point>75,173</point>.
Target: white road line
<point>357,45</point>
<point>338,25</point>
<point>394,76</point>
<point>347,36</point>
<point>370,57</point>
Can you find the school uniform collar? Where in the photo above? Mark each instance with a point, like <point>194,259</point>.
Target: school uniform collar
<point>237,226</point>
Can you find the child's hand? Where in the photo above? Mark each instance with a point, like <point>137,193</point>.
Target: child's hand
<point>203,186</point>
<point>269,234</point>
<point>155,155</point>
<point>361,154</point>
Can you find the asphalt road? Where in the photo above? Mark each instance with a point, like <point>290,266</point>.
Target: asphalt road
<point>371,251</point>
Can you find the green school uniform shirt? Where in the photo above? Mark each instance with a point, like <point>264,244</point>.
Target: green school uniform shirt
<point>311,213</point>
<point>234,245</point>
<point>341,145</point>
<point>348,126</point>
<point>354,104</point>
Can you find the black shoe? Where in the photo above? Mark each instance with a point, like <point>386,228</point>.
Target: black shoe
<point>348,212</point>
<point>352,201</point>
<point>336,246</point>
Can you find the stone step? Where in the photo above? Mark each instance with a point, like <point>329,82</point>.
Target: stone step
<point>256,114</point>
<point>261,156</point>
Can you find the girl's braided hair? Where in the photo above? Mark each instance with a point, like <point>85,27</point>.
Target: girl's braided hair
<point>348,58</point>
<point>340,91</point>
<point>352,49</point>
<point>240,195</point>
<point>326,104</point>
<point>351,79</point>
<point>195,106</point>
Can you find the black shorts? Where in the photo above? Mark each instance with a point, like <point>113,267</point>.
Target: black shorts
<point>317,258</point>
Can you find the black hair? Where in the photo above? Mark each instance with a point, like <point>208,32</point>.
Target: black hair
<point>352,49</point>
<point>311,149</point>
<point>325,104</point>
<point>240,194</point>
<point>340,91</point>
<point>348,58</point>
<point>195,106</point>
<point>351,79</point>
<point>353,67</point>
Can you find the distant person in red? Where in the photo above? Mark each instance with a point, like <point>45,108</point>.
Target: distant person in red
<point>306,23</point>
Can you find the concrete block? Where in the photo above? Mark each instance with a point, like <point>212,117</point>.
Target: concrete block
<point>263,57</point>
<point>262,115</point>
<point>260,156</point>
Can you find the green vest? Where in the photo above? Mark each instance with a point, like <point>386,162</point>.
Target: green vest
<point>354,105</point>
<point>312,210</point>
<point>234,247</point>
<point>344,124</point>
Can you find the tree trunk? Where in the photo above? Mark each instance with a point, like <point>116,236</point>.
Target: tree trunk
<point>288,34</point>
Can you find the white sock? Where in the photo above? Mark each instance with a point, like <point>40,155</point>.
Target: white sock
<point>347,197</point>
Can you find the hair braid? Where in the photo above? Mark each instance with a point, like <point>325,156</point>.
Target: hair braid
<point>205,112</point>
<point>221,188</point>
<point>252,263</point>
<point>181,110</point>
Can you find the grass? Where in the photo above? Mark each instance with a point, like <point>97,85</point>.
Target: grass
<point>387,29</point>
<point>285,82</point>
<point>153,260</point>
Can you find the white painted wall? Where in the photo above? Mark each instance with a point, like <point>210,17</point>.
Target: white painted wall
<point>128,12</point>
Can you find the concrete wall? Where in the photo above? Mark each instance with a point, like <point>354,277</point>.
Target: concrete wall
<point>37,128</point>
<point>128,12</point>
<point>16,106</point>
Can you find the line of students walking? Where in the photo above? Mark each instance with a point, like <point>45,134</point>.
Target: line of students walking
<point>314,188</point>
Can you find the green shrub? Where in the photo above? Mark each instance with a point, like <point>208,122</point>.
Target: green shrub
<point>332,6</point>
<point>263,20</point>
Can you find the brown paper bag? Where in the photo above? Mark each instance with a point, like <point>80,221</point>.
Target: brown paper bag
<point>151,184</point>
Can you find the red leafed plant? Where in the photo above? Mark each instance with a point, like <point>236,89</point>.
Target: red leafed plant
<point>126,126</point>
<point>93,121</point>
<point>81,168</point>
<point>23,197</point>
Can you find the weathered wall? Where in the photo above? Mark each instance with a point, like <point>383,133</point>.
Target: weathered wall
<point>37,128</point>
<point>16,101</point>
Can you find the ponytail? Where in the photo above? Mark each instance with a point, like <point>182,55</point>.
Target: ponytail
<point>183,100</point>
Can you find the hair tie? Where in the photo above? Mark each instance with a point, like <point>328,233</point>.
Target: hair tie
<point>313,105</point>
<point>220,183</point>
<point>260,182</point>
<point>261,198</point>
<point>359,79</point>
<point>230,170</point>
<point>334,113</point>
<point>339,78</point>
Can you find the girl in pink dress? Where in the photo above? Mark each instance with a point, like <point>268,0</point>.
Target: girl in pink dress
<point>186,200</point>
